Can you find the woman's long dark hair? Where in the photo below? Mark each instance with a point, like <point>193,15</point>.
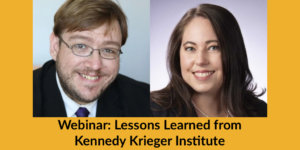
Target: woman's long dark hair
<point>237,93</point>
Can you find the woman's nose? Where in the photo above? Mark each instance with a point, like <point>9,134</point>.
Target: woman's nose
<point>202,58</point>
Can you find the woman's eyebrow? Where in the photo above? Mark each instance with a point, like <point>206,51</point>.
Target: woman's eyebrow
<point>189,42</point>
<point>211,41</point>
<point>193,43</point>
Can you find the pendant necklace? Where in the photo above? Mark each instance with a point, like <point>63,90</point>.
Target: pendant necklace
<point>204,114</point>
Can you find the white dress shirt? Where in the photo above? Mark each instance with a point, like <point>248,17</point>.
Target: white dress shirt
<point>71,106</point>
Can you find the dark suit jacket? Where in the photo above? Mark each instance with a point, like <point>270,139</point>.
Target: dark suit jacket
<point>125,97</point>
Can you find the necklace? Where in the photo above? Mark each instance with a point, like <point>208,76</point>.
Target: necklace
<point>228,113</point>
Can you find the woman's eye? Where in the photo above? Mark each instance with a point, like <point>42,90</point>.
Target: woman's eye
<point>189,48</point>
<point>213,48</point>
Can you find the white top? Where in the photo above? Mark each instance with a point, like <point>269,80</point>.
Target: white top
<point>71,106</point>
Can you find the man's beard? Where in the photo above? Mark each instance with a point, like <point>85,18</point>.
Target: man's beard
<point>73,92</point>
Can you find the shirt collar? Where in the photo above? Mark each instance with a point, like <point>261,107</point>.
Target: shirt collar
<point>71,106</point>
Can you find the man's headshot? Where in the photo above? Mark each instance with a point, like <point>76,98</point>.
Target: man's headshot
<point>82,79</point>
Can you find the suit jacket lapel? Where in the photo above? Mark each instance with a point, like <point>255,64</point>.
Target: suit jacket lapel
<point>109,103</point>
<point>53,104</point>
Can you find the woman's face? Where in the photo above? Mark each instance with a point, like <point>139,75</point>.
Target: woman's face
<point>200,57</point>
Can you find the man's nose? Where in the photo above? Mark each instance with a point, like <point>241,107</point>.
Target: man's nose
<point>95,60</point>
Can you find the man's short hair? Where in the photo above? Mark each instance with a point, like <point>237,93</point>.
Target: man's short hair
<point>80,15</point>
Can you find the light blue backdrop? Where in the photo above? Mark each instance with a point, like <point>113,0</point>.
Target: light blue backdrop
<point>135,59</point>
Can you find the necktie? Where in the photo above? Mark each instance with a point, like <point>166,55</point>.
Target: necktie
<point>82,112</point>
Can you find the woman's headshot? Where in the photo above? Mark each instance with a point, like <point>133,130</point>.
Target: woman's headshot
<point>208,69</point>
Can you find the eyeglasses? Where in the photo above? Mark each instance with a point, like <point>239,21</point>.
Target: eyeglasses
<point>83,50</point>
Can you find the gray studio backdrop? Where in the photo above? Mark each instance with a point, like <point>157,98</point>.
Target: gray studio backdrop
<point>250,14</point>
<point>134,62</point>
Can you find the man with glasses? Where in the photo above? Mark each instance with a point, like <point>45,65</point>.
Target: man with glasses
<point>82,80</point>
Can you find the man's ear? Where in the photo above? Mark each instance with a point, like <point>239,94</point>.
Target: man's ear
<point>54,46</point>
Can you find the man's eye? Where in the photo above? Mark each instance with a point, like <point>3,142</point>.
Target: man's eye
<point>214,48</point>
<point>107,50</point>
<point>80,46</point>
<point>190,49</point>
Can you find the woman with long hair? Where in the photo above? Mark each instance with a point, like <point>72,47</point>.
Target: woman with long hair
<point>208,67</point>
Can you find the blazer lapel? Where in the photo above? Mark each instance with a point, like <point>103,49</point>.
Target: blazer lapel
<point>109,103</point>
<point>53,104</point>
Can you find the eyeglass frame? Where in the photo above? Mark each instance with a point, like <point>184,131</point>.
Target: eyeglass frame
<point>93,49</point>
